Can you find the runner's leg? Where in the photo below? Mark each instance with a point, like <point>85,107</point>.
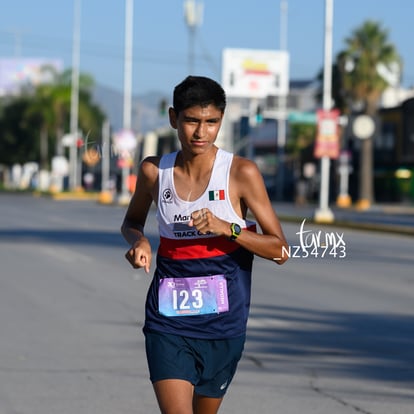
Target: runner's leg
<point>206,405</point>
<point>174,396</point>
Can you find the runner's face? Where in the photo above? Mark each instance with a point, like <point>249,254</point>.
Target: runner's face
<point>197,127</point>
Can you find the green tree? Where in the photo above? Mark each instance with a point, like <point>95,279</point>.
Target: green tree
<point>18,138</point>
<point>301,136</point>
<point>367,50</point>
<point>338,95</point>
<point>32,124</point>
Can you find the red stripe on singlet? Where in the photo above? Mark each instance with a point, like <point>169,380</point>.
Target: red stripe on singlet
<point>197,248</point>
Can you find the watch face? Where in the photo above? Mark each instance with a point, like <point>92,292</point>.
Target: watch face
<point>235,231</point>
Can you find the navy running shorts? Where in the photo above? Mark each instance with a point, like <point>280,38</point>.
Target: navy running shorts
<point>208,364</point>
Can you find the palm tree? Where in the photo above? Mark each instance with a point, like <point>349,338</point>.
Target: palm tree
<point>33,123</point>
<point>367,50</point>
<point>50,109</point>
<point>41,113</point>
<point>19,139</point>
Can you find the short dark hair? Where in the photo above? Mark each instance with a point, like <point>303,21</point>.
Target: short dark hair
<point>198,91</point>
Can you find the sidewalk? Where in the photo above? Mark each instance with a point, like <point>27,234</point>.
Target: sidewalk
<point>393,218</point>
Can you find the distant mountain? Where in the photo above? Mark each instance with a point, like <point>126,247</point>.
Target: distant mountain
<point>145,109</point>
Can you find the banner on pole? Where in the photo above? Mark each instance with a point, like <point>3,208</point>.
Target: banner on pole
<point>327,136</point>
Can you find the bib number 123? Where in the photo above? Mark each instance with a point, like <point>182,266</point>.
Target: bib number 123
<point>193,295</point>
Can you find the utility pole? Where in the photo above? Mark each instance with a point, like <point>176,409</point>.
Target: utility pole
<point>129,19</point>
<point>193,14</point>
<point>105,196</point>
<point>74,99</point>
<point>18,34</point>
<point>324,214</point>
<point>281,120</point>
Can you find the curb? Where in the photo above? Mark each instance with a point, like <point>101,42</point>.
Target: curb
<point>73,196</point>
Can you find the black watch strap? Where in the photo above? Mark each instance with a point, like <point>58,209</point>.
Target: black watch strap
<point>235,231</point>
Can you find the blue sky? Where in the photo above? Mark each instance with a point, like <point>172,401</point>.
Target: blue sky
<point>43,28</point>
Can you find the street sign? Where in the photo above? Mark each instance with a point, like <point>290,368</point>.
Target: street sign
<point>125,143</point>
<point>125,140</point>
<point>297,117</point>
<point>67,140</point>
<point>363,126</point>
<point>250,73</point>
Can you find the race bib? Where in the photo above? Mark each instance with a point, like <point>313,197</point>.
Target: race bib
<point>189,296</point>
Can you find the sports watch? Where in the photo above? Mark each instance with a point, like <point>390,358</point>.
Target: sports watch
<point>235,231</point>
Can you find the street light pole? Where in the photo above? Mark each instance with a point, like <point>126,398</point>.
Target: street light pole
<point>281,120</point>
<point>193,14</point>
<point>324,214</point>
<point>74,99</point>
<point>129,19</point>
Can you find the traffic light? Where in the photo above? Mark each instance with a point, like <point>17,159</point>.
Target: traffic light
<point>259,114</point>
<point>163,107</point>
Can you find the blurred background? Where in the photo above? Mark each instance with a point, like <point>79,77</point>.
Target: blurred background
<point>320,94</point>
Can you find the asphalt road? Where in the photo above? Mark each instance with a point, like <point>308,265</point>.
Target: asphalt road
<point>332,334</point>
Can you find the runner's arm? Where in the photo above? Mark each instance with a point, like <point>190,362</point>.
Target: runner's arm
<point>139,255</point>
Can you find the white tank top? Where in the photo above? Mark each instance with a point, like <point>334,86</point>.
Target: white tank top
<point>174,213</point>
